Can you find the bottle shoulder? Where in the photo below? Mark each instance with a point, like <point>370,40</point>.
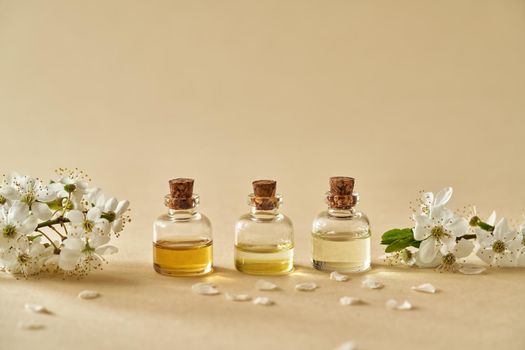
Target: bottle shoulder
<point>356,223</point>
<point>279,218</point>
<point>197,217</point>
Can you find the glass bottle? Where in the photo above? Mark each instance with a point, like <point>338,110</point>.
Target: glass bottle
<point>182,237</point>
<point>341,234</point>
<point>264,237</point>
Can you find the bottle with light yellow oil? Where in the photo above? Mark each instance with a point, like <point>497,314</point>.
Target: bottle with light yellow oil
<point>182,237</point>
<point>264,237</point>
<point>341,234</point>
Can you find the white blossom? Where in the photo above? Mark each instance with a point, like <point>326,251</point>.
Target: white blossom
<point>15,222</point>
<point>501,247</point>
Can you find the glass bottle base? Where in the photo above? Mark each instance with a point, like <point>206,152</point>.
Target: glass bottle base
<point>340,266</point>
<point>182,273</point>
<point>193,258</point>
<point>264,260</point>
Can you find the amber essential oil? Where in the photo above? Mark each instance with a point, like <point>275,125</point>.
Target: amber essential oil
<point>182,237</point>
<point>186,258</point>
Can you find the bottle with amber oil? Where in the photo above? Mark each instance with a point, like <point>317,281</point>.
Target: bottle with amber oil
<point>264,237</point>
<point>341,234</point>
<point>182,238</point>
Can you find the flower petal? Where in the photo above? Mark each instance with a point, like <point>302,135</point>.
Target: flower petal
<point>491,220</point>
<point>106,250</point>
<point>428,250</point>
<point>427,198</point>
<point>458,227</point>
<point>521,258</point>
<point>9,193</point>
<point>28,226</point>
<point>75,216</point>
<point>117,225</point>
<point>73,243</point>
<point>443,196</point>
<point>486,254</point>
<point>463,248</point>
<point>42,211</point>
<point>422,227</point>
<point>122,206</point>
<point>503,232</point>
<point>93,214</point>
<point>111,204</point>
<point>68,259</point>
<point>18,212</point>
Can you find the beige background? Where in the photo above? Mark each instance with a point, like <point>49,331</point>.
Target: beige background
<point>403,95</point>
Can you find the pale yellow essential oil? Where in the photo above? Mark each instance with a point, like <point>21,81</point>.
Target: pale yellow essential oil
<point>341,252</point>
<point>264,259</point>
<point>183,258</point>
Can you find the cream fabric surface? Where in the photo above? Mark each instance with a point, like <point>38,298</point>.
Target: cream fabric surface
<point>404,96</point>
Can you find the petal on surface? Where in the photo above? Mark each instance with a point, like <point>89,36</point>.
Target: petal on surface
<point>28,226</point>
<point>42,211</point>
<point>458,227</point>
<point>93,214</point>
<point>75,216</point>
<point>443,196</point>
<point>428,250</point>
<point>463,248</point>
<point>422,227</point>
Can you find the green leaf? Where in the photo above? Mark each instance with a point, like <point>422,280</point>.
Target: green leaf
<point>396,234</point>
<point>402,244</point>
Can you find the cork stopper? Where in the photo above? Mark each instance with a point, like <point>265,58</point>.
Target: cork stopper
<point>341,194</point>
<point>264,194</point>
<point>181,194</point>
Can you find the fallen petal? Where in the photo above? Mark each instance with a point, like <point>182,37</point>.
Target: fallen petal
<point>349,345</point>
<point>393,304</point>
<point>372,284</point>
<point>205,288</point>
<point>405,305</point>
<point>345,301</point>
<point>306,287</point>
<point>339,277</point>
<point>425,288</point>
<point>265,285</point>
<point>35,308</point>
<point>238,297</point>
<point>88,294</point>
<point>263,301</point>
<point>471,270</point>
<point>30,325</point>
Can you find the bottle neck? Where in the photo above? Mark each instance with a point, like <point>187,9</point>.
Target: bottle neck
<point>341,213</point>
<point>263,214</point>
<point>182,214</point>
